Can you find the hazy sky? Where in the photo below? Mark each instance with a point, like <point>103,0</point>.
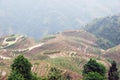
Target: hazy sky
<point>75,7</point>
<point>69,14</point>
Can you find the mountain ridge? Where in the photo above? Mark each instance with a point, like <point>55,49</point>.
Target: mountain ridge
<point>107,28</point>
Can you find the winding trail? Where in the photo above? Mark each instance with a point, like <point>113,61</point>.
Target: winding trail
<point>21,50</point>
<point>29,48</point>
<point>35,46</point>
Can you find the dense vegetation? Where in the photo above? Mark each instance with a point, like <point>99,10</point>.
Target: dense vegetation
<point>21,69</point>
<point>113,72</point>
<point>108,28</point>
<point>94,71</point>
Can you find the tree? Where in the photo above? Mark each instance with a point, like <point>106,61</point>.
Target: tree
<point>15,76</point>
<point>113,72</point>
<point>21,69</point>
<point>93,69</point>
<point>94,76</point>
<point>93,66</point>
<point>35,77</point>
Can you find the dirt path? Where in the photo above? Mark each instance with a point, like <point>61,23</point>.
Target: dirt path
<point>4,58</point>
<point>29,48</point>
<point>35,46</point>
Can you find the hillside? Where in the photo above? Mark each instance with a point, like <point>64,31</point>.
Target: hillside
<point>108,29</point>
<point>59,50</point>
<point>68,51</point>
<point>41,17</point>
<point>113,54</point>
<point>66,43</point>
<point>16,42</point>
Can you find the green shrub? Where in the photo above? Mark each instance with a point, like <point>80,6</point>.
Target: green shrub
<point>94,76</point>
<point>94,71</point>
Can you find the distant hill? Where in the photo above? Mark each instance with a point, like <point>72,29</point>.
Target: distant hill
<point>107,29</point>
<point>41,17</point>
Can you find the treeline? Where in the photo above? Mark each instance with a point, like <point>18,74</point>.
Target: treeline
<point>92,70</point>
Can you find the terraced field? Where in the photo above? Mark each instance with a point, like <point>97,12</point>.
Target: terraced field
<point>41,69</point>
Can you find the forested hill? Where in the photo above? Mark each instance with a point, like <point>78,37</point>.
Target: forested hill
<point>108,28</point>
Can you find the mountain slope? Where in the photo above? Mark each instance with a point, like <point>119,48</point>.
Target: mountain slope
<point>64,44</point>
<point>107,28</point>
<point>68,43</point>
<point>113,54</point>
<point>68,51</point>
